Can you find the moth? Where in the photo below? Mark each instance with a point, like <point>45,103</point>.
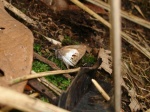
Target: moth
<point>70,55</point>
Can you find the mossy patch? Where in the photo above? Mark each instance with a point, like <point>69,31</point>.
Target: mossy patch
<point>58,80</point>
<point>69,41</point>
<point>89,59</point>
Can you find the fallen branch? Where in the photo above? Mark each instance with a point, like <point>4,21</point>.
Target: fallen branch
<point>42,74</point>
<point>124,35</point>
<point>25,103</point>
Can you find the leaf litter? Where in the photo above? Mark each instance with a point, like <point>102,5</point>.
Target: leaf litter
<point>135,74</point>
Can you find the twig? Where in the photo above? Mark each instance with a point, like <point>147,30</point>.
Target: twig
<point>136,45</point>
<point>82,6</point>
<point>124,35</point>
<point>27,103</point>
<point>124,14</point>
<point>55,42</point>
<point>104,5</point>
<point>101,90</point>
<point>50,63</point>
<point>28,20</point>
<point>42,74</point>
<point>44,60</point>
<point>8,108</point>
<point>19,13</point>
<point>50,85</point>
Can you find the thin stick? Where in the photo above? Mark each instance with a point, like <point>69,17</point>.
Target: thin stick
<point>136,45</point>
<point>124,35</point>
<point>19,13</point>
<point>50,63</point>
<point>55,42</point>
<point>25,103</point>
<point>50,85</point>
<point>8,109</point>
<point>116,51</point>
<point>42,74</point>
<point>101,90</point>
<point>124,14</point>
<point>82,6</point>
<point>28,20</point>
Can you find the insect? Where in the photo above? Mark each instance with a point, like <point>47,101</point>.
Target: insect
<point>70,55</point>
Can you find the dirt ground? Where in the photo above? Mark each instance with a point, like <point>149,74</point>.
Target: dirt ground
<point>83,28</point>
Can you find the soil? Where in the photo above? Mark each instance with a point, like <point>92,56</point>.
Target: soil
<point>81,27</point>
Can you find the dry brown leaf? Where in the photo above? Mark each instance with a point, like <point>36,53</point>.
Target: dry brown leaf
<point>134,104</point>
<point>106,60</point>
<point>16,50</point>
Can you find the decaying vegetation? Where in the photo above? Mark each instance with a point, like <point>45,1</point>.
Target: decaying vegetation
<point>74,26</point>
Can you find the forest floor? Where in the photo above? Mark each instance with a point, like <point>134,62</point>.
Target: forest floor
<point>75,27</point>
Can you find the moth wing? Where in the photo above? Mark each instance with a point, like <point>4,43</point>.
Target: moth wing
<point>72,54</point>
<point>69,55</point>
<point>80,48</point>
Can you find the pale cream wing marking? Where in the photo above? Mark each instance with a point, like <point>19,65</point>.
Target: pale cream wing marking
<point>69,55</point>
<point>72,54</point>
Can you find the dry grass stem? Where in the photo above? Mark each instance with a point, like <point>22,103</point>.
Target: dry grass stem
<point>42,74</point>
<point>124,14</point>
<point>136,45</point>
<point>124,35</point>
<point>50,86</point>
<point>8,109</point>
<point>116,50</point>
<point>55,42</point>
<point>85,8</point>
<point>26,103</point>
<point>101,90</point>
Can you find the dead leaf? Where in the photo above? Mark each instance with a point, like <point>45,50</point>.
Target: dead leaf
<point>106,60</point>
<point>16,50</point>
<point>134,104</point>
